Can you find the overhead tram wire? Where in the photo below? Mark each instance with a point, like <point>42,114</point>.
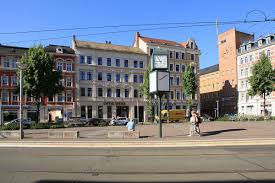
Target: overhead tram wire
<point>129,25</point>
<point>145,29</point>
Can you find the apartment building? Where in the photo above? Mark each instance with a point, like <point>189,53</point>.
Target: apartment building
<point>248,54</point>
<point>179,55</point>
<point>108,77</point>
<point>228,43</point>
<point>63,104</point>
<point>9,104</point>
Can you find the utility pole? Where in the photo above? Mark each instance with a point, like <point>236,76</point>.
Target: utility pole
<point>21,102</point>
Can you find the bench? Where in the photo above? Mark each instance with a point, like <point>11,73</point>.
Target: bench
<point>123,134</point>
<point>63,134</point>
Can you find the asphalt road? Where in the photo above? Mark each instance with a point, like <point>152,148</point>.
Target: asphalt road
<point>205,164</point>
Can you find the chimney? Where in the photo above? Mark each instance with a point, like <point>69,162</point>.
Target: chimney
<point>73,42</point>
<point>136,41</point>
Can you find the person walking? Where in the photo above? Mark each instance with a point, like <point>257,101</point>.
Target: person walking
<point>194,127</point>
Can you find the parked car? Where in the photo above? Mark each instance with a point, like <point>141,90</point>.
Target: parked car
<point>119,121</point>
<point>26,122</point>
<point>232,117</point>
<point>97,122</point>
<point>77,121</point>
<point>206,117</point>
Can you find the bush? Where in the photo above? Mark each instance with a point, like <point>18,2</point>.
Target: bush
<point>54,126</point>
<point>224,118</point>
<point>12,126</point>
<point>39,126</point>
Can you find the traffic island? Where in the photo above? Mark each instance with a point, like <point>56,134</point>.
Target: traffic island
<point>123,134</point>
<point>10,134</point>
<point>63,134</point>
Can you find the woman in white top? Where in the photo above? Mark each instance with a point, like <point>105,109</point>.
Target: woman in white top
<point>194,128</point>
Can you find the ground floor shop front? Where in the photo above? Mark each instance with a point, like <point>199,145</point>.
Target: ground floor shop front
<point>47,113</point>
<point>107,110</point>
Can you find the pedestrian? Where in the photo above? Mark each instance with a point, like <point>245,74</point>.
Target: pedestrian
<point>194,126</point>
<point>131,125</point>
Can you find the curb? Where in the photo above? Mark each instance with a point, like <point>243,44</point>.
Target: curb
<point>143,144</point>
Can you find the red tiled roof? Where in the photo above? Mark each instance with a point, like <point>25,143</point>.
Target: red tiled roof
<point>160,41</point>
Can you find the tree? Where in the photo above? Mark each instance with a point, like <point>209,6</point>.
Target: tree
<point>145,90</point>
<point>190,86</point>
<point>40,80</point>
<point>262,79</point>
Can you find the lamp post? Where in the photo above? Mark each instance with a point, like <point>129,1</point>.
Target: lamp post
<point>20,66</point>
<point>217,108</point>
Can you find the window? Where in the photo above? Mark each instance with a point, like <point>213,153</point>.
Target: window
<point>69,67</point>
<point>171,54</point>
<point>246,84</point>
<point>178,95</point>
<point>125,63</point>
<point>241,60</point>
<point>68,82</point>
<point>135,79</point>
<point>182,56</point>
<point>109,62</point>
<point>109,77</point>
<point>100,111</point>
<point>178,81</point>
<point>99,76</point>
<point>89,59</point>
<point>14,80</point>
<point>82,59</point>
<point>59,66</point>
<point>245,60</point>
<point>90,111</point>
<point>126,77</point>
<point>242,84</point>
<point>223,41</point>
<point>183,68</point>
<point>99,92</point>
<point>192,57</point>
<point>118,77</point>
<point>5,96</point>
<point>83,111</point>
<point>241,72</point>
<point>246,71</point>
<point>172,95</point>
<point>141,64</point>
<point>171,67</point>
<point>141,78</point>
<point>135,93</point>
<point>82,92</point>
<point>251,58</point>
<point>82,75</point>
<point>193,69</point>
<point>50,99</point>
<point>117,92</point>
<point>177,68</point>
<point>89,92</point>
<point>109,111</point>
<point>99,61</point>
<point>60,97</point>
<point>117,62</point>
<point>126,93</point>
<point>268,53</point>
<point>5,80</point>
<point>177,55</point>
<point>89,76</point>
<point>6,63</point>
<point>171,80</point>
<point>260,55</point>
<point>68,97</point>
<point>109,92</point>
<point>151,51</point>
<point>14,96</point>
<point>135,64</point>
<point>13,63</point>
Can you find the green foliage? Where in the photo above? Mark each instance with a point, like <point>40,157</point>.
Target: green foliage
<point>39,77</point>
<point>190,84</point>
<point>54,126</point>
<point>144,89</point>
<point>12,126</point>
<point>40,126</point>
<point>262,80</point>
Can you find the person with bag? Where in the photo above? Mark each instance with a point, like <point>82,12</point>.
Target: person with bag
<point>194,127</point>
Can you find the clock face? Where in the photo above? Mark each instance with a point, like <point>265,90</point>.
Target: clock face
<point>160,61</point>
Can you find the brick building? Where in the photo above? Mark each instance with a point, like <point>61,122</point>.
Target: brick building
<point>227,97</point>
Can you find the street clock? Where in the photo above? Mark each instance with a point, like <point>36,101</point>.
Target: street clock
<point>159,81</point>
<point>159,60</point>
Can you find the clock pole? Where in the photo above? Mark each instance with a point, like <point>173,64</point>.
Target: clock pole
<point>160,121</point>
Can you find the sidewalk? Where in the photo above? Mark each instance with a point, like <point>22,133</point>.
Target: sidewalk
<point>174,135</point>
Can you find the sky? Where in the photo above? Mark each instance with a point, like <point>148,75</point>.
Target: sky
<point>18,15</point>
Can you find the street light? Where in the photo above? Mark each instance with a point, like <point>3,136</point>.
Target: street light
<point>217,108</point>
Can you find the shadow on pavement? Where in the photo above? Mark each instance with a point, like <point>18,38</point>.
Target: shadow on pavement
<point>221,131</point>
<point>231,181</point>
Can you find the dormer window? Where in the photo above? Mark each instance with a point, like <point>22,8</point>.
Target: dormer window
<point>248,47</point>
<point>268,40</point>
<point>59,50</point>
<point>242,49</point>
<point>260,42</point>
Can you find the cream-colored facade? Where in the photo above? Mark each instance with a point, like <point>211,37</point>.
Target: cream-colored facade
<point>108,79</point>
<point>179,56</point>
<point>249,54</point>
